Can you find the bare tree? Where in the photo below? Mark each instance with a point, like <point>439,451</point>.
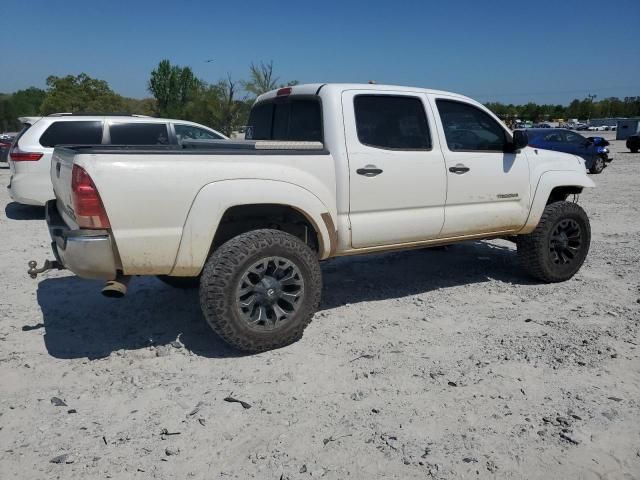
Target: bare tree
<point>261,79</point>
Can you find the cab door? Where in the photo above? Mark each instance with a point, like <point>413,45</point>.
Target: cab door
<point>488,186</point>
<point>397,179</point>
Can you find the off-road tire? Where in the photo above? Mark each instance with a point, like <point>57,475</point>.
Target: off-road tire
<point>534,249</point>
<point>598,165</point>
<point>223,272</point>
<point>180,282</point>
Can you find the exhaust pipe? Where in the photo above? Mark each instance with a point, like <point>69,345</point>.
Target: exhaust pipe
<point>116,288</point>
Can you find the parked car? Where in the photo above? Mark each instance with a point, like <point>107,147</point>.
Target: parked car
<point>580,126</point>
<point>6,139</point>
<point>633,143</point>
<point>596,128</point>
<point>30,156</point>
<point>331,170</point>
<point>593,150</point>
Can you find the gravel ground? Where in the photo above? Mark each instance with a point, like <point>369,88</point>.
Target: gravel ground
<point>442,363</point>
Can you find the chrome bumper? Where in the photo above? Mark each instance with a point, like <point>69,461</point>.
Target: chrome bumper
<point>87,253</point>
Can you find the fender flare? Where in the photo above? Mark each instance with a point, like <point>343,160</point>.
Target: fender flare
<point>546,183</point>
<point>215,198</point>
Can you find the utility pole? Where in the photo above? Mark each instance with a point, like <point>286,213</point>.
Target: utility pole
<point>591,97</point>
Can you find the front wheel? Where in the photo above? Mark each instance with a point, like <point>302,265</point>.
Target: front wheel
<point>557,248</point>
<point>598,165</point>
<point>259,290</point>
<point>633,150</point>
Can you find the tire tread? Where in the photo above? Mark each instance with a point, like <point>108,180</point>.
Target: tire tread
<point>218,274</point>
<point>531,246</point>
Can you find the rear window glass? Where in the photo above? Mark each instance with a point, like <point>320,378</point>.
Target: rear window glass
<point>139,134</point>
<point>25,127</point>
<point>72,133</point>
<point>392,122</point>
<point>293,119</point>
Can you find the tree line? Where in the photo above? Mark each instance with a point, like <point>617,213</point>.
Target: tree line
<point>584,109</point>
<point>176,92</point>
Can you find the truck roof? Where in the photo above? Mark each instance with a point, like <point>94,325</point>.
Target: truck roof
<point>316,88</point>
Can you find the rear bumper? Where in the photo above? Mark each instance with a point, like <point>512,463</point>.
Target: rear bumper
<point>87,253</point>
<point>30,189</point>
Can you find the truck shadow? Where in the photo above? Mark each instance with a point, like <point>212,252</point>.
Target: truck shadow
<point>414,272</point>
<point>17,211</point>
<point>79,322</point>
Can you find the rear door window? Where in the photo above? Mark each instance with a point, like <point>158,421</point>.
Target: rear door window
<point>72,133</point>
<point>392,122</point>
<point>139,133</point>
<point>293,119</point>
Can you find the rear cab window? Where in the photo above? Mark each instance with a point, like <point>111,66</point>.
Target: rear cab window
<point>138,133</point>
<point>72,133</point>
<point>292,118</point>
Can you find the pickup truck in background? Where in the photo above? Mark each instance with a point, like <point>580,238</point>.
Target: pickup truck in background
<point>327,170</point>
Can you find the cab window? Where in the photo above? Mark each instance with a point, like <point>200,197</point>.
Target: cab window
<point>555,137</point>
<point>391,122</point>
<point>574,138</point>
<point>469,129</point>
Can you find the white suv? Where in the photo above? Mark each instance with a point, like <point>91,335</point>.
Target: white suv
<point>30,155</point>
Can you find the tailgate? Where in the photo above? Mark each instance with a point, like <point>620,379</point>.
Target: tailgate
<point>61,170</point>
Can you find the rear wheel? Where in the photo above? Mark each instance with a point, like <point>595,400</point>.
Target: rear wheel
<point>259,290</point>
<point>598,165</point>
<point>557,248</point>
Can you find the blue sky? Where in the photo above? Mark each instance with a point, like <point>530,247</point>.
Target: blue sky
<point>491,50</point>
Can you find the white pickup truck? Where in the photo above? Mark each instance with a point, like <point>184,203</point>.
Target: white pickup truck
<point>330,170</point>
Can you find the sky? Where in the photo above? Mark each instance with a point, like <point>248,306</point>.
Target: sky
<point>491,50</point>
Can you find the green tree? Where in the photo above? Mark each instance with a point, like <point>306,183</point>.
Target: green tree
<point>80,93</point>
<point>173,87</point>
<point>19,104</point>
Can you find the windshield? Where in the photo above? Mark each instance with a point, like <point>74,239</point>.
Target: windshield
<point>291,118</point>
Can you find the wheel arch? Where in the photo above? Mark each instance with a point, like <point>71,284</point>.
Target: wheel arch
<point>554,186</point>
<point>218,201</point>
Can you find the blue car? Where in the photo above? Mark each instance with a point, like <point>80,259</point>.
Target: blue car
<point>593,149</point>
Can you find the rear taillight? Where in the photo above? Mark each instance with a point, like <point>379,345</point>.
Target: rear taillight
<point>87,205</point>
<point>18,155</point>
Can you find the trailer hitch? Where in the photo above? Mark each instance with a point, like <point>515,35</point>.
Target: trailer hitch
<point>48,265</point>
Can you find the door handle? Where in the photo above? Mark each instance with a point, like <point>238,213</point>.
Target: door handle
<point>459,169</point>
<point>369,171</point>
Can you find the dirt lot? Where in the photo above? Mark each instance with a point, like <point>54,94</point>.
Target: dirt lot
<point>442,363</point>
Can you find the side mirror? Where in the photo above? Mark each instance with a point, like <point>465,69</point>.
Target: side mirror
<point>520,140</point>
